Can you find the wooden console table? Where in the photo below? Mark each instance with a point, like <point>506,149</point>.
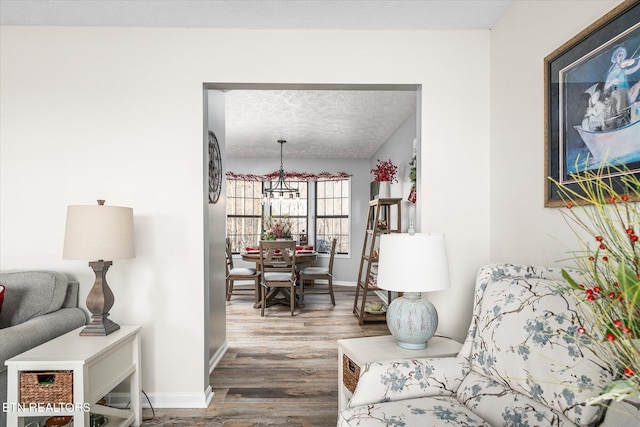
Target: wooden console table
<point>98,364</point>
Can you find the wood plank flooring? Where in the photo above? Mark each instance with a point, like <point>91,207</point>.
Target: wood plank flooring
<point>279,370</point>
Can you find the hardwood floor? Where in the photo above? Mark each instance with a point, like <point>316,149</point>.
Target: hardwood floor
<point>279,370</point>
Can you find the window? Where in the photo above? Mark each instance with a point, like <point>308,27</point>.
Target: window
<point>332,215</point>
<point>330,199</point>
<point>295,209</point>
<point>244,213</point>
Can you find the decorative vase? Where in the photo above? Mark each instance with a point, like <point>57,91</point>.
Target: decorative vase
<point>384,191</point>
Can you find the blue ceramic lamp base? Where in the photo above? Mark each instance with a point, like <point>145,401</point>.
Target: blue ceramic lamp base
<point>412,320</point>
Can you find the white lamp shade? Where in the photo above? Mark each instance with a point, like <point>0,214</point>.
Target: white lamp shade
<point>413,263</point>
<point>99,232</point>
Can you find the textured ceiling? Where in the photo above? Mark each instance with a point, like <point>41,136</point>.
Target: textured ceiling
<point>344,14</point>
<point>316,124</point>
<point>320,124</point>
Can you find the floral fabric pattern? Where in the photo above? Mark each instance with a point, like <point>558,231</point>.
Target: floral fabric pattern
<point>423,412</point>
<point>522,364</point>
<point>484,397</point>
<point>407,379</point>
<point>526,341</point>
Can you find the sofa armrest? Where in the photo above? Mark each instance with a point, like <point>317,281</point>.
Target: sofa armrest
<point>71,298</point>
<point>20,338</point>
<point>394,380</point>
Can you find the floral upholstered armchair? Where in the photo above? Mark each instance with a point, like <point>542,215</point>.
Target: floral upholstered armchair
<point>523,363</point>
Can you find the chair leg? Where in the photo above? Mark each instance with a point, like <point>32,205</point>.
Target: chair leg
<point>333,299</point>
<point>264,300</point>
<point>229,289</point>
<point>257,292</point>
<point>292,298</point>
<point>301,283</point>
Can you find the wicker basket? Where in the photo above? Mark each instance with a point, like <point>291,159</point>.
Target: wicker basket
<point>350,373</point>
<point>40,387</point>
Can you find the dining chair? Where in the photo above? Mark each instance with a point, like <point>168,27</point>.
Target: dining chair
<point>278,266</point>
<point>320,273</point>
<point>240,274</point>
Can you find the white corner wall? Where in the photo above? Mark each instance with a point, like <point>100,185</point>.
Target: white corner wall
<point>215,276</point>
<point>522,229</point>
<point>117,113</point>
<point>399,149</point>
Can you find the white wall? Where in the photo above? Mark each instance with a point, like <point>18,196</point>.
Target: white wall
<point>522,230</point>
<point>399,149</point>
<point>453,171</point>
<point>117,113</point>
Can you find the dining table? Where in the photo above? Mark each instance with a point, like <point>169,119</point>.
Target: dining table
<point>303,256</point>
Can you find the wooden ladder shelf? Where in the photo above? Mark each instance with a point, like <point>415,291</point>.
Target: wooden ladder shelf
<point>378,223</point>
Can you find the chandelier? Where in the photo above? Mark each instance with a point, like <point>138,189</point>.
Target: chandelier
<point>281,189</point>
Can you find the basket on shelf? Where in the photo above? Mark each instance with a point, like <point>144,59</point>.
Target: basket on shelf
<point>350,373</point>
<point>50,387</point>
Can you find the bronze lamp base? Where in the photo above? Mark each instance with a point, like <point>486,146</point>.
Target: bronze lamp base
<point>99,302</point>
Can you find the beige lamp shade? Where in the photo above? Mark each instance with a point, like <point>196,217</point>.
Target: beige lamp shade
<point>413,263</point>
<point>99,232</point>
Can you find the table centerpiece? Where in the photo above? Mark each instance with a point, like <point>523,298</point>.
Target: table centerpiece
<point>277,229</point>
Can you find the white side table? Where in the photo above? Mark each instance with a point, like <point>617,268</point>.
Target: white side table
<point>99,364</point>
<point>356,352</point>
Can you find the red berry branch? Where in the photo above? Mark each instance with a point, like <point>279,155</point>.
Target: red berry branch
<point>608,290</point>
<point>385,171</point>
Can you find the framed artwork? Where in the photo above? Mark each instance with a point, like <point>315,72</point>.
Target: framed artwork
<point>592,101</point>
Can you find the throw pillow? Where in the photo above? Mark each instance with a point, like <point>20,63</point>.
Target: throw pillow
<point>1,297</point>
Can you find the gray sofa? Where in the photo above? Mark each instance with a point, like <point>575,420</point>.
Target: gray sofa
<point>38,306</point>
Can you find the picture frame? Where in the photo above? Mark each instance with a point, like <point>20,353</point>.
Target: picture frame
<point>592,102</point>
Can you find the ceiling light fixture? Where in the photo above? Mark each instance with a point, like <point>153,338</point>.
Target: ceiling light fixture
<point>281,189</point>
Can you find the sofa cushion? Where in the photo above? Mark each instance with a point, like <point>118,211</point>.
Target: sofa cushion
<point>30,294</point>
<point>426,411</point>
<point>1,297</point>
<point>525,341</point>
<point>393,380</point>
<point>501,406</point>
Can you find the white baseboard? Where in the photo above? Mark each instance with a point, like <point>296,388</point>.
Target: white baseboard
<point>173,400</point>
<point>164,400</point>
<point>215,359</point>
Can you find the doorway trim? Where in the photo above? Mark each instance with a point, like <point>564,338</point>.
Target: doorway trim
<point>214,355</point>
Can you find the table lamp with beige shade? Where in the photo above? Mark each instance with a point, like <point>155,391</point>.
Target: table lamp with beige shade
<point>98,233</point>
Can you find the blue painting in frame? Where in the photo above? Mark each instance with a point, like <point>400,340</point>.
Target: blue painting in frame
<point>592,100</point>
